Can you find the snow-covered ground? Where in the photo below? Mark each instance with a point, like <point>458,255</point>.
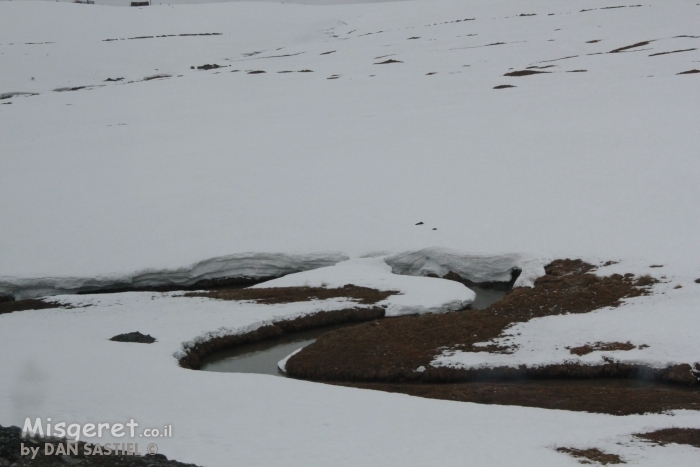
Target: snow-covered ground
<point>59,364</point>
<point>208,173</point>
<point>167,172</point>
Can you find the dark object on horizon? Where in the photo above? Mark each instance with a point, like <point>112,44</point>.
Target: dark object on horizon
<point>140,3</point>
<point>134,337</point>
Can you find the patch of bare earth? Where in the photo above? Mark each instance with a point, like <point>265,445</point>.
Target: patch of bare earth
<point>274,295</point>
<point>29,304</point>
<point>592,455</point>
<point>689,436</point>
<point>391,350</point>
<point>604,346</point>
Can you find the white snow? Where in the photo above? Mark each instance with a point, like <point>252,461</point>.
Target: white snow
<point>418,294</point>
<point>131,181</point>
<point>282,364</point>
<point>164,173</point>
<point>61,365</point>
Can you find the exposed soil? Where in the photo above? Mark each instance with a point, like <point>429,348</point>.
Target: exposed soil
<point>592,455</point>
<point>689,436</point>
<point>611,396</point>
<point>274,295</point>
<point>256,72</point>
<point>503,86</point>
<point>606,346</point>
<point>10,454</point>
<point>193,359</point>
<point>391,350</point>
<point>525,73</point>
<point>689,72</point>
<point>386,62</point>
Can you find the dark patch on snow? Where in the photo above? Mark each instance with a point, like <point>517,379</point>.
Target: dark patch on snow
<point>593,41</point>
<point>687,436</point>
<point>628,47</point>
<point>149,78</point>
<point>135,337</point>
<point>212,66</point>
<point>386,62</point>
<point>305,71</point>
<point>577,71</point>
<point>525,73</point>
<point>326,53</point>
<point>503,86</point>
<point>689,72</point>
<point>672,52</point>
<point>10,95</point>
<point>592,455</point>
<point>256,72</point>
<point>114,79</point>
<point>602,346</point>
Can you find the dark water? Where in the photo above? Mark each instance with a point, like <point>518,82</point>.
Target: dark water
<point>262,357</point>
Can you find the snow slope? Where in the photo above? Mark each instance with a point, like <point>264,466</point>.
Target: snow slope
<point>167,172</point>
<point>230,419</point>
<point>418,294</point>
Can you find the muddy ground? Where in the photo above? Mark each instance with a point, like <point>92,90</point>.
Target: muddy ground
<point>387,352</point>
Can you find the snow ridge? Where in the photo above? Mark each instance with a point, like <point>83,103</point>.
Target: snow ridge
<point>251,265</point>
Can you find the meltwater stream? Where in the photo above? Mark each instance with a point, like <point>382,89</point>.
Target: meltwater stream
<point>262,357</point>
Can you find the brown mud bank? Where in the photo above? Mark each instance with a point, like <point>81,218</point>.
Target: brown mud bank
<point>610,396</point>
<point>273,295</point>
<point>388,354</point>
<point>392,350</point>
<point>194,355</point>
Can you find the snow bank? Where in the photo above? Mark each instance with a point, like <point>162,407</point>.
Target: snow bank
<point>476,268</point>
<point>282,364</point>
<point>243,265</point>
<point>418,294</point>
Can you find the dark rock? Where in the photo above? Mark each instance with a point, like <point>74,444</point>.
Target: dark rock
<point>134,337</point>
